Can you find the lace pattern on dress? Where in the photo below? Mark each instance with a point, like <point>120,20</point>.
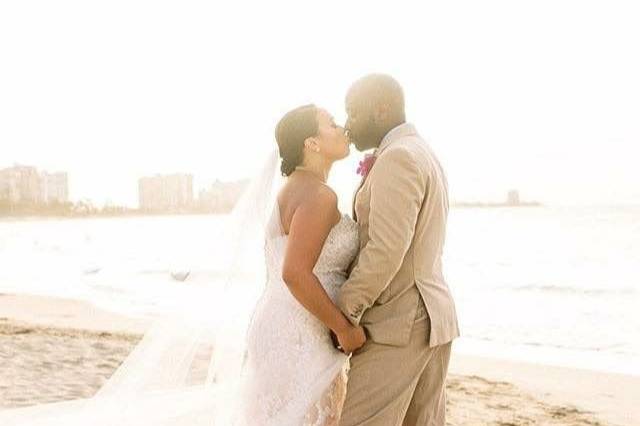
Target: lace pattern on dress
<point>295,375</point>
<point>326,412</point>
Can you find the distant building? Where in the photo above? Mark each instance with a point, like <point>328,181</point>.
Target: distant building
<point>20,184</point>
<point>24,185</point>
<point>54,188</point>
<point>8,189</point>
<point>221,197</point>
<point>166,192</point>
<point>513,198</point>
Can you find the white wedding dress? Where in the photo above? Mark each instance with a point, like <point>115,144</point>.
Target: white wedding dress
<point>293,374</point>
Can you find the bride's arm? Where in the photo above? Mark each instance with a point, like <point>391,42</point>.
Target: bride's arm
<point>309,228</point>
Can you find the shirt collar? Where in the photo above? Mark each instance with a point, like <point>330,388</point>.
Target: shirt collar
<point>404,129</point>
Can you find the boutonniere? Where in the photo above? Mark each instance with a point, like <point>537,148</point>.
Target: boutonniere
<point>366,165</point>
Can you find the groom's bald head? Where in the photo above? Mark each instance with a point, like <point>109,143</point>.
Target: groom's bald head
<point>375,105</point>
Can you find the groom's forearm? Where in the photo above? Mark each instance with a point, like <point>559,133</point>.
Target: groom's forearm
<point>367,281</point>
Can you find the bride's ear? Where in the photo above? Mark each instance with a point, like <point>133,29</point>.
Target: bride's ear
<point>312,144</point>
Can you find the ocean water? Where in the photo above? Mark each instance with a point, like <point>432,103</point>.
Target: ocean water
<point>558,286</point>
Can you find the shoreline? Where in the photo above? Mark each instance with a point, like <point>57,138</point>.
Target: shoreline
<point>494,390</point>
<point>45,312</point>
<point>46,217</point>
<point>592,361</point>
<point>134,213</point>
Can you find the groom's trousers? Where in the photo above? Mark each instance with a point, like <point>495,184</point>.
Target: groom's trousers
<point>398,386</point>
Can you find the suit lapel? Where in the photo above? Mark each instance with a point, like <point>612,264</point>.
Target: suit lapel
<point>355,197</point>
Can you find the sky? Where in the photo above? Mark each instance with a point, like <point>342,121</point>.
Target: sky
<point>540,96</point>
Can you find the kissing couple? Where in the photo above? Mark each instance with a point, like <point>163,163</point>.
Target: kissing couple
<point>356,322</point>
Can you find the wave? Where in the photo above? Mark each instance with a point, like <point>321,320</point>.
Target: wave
<point>550,288</point>
<point>618,348</point>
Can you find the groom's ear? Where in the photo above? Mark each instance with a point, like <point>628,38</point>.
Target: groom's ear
<point>381,112</point>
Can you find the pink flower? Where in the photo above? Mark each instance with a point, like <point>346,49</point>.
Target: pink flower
<point>366,164</point>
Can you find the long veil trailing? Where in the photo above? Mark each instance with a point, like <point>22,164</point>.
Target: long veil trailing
<point>187,369</point>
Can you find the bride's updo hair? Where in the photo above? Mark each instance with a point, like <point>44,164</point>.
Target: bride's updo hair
<point>292,130</point>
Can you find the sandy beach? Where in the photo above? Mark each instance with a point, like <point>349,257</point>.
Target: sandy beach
<point>56,349</point>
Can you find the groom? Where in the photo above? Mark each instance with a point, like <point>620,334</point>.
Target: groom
<point>396,290</point>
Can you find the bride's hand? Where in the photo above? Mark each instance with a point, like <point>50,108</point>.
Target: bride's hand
<point>352,338</point>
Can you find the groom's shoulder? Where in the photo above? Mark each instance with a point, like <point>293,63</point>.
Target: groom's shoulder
<point>409,151</point>
<point>400,157</point>
<point>397,152</point>
<point>410,143</point>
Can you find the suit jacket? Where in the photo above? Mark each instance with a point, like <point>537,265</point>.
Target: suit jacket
<point>401,209</point>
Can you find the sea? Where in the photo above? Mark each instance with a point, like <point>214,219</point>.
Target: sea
<point>549,285</point>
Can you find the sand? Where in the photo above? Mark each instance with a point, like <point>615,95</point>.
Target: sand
<point>612,398</point>
<point>53,350</point>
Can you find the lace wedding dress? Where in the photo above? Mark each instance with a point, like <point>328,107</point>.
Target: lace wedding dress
<point>293,374</point>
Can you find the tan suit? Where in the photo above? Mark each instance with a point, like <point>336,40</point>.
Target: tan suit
<point>397,290</point>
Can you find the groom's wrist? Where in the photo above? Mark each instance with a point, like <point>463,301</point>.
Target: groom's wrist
<point>355,314</point>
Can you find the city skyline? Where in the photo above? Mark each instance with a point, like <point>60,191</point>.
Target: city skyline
<point>26,187</point>
<point>176,192</point>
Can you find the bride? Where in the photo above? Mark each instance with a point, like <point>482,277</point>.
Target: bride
<point>309,249</point>
<point>274,363</point>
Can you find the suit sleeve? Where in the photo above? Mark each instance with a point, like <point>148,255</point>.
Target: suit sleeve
<point>398,188</point>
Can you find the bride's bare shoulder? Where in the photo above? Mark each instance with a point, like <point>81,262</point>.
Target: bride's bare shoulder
<point>306,197</point>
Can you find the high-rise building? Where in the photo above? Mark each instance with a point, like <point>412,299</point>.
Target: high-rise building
<point>221,197</point>
<point>20,185</point>
<point>513,198</point>
<point>54,188</point>
<point>165,192</point>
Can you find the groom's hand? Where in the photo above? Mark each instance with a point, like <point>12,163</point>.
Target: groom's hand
<point>350,339</point>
